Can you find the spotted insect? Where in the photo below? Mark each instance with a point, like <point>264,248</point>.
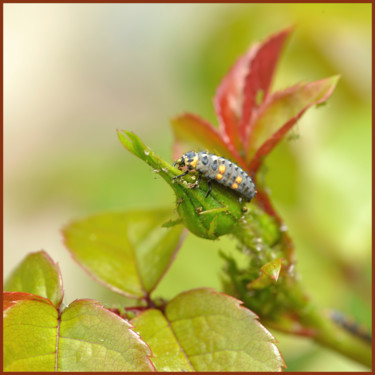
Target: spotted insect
<point>216,168</point>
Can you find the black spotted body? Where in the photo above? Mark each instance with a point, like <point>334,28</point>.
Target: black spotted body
<point>217,168</point>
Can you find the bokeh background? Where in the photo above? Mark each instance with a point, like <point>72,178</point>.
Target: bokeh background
<point>73,74</point>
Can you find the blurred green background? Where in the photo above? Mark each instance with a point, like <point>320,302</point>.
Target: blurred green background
<point>73,74</point>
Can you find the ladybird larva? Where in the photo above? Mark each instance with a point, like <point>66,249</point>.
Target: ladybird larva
<point>217,168</point>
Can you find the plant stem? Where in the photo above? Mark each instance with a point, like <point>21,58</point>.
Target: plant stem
<point>331,335</point>
<point>291,310</point>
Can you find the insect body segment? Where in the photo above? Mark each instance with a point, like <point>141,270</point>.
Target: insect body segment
<point>216,168</point>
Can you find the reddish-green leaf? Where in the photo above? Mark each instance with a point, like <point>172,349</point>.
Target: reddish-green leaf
<point>86,337</point>
<point>258,80</point>
<point>280,112</point>
<point>200,135</point>
<point>207,331</point>
<point>127,251</point>
<point>37,274</point>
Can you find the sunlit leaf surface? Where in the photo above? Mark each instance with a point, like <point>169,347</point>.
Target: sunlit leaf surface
<point>202,330</point>
<point>30,331</point>
<point>156,330</point>
<point>127,251</point>
<point>86,337</point>
<point>93,339</point>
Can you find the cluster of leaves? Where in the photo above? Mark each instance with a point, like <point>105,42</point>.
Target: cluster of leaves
<point>199,330</point>
<point>129,252</point>
<point>252,121</point>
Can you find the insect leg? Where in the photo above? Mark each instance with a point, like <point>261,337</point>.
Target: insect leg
<point>209,188</point>
<point>198,181</point>
<point>181,175</point>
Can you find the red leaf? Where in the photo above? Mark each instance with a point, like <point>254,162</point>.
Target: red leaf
<point>228,99</point>
<point>250,126</point>
<point>259,78</point>
<point>192,129</point>
<point>280,112</point>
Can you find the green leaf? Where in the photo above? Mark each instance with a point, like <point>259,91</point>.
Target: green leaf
<point>127,251</point>
<point>209,217</point>
<point>30,331</point>
<point>37,274</point>
<point>202,330</point>
<point>171,223</point>
<point>156,331</point>
<point>258,230</point>
<point>272,269</point>
<point>99,340</point>
<point>86,337</point>
<point>269,274</point>
<point>134,145</point>
<point>197,212</point>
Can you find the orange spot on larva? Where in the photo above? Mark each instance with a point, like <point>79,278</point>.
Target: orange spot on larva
<point>239,179</point>
<point>222,169</point>
<point>194,162</point>
<point>219,176</point>
<point>234,186</point>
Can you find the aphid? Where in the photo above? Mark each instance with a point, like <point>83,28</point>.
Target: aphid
<point>216,168</point>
